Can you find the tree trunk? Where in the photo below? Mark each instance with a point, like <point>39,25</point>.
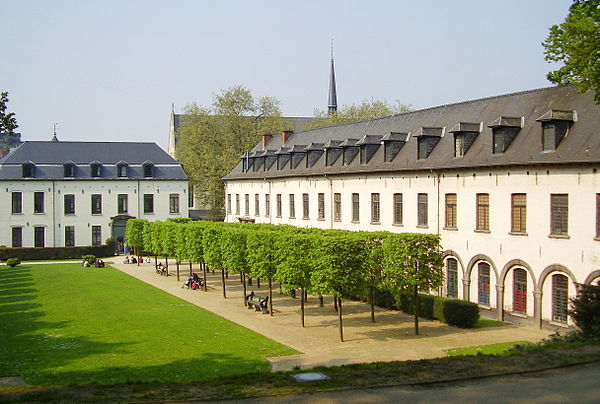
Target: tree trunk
<point>335,303</point>
<point>249,281</point>
<point>167,264</point>
<point>372,301</point>
<point>305,295</point>
<point>138,254</point>
<point>340,319</point>
<point>190,268</point>
<point>223,279</point>
<point>155,261</point>
<point>258,283</point>
<point>416,310</point>
<point>270,297</point>
<point>177,263</point>
<point>302,307</point>
<point>245,290</point>
<point>204,274</point>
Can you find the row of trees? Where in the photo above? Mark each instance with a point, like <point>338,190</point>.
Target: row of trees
<point>322,262</point>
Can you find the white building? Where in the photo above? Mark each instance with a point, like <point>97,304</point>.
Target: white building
<point>55,194</point>
<point>510,183</point>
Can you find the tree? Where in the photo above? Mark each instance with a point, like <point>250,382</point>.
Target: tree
<point>262,258</point>
<point>212,242</point>
<point>413,262</point>
<point>576,43</point>
<point>585,310</point>
<point>8,123</point>
<point>366,110</point>
<point>235,259</point>
<point>134,235</point>
<point>212,140</point>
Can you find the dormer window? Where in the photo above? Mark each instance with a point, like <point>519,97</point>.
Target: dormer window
<point>148,169</point>
<point>313,154</point>
<point>298,152</point>
<point>270,159</point>
<point>332,152</point>
<point>369,145</point>
<point>283,156</point>
<point>427,139</point>
<point>465,134</point>
<point>555,127</point>
<point>392,144</point>
<point>350,150</point>
<point>122,169</point>
<point>504,131</point>
<point>27,169</point>
<point>96,169</point>
<point>259,160</point>
<point>69,169</point>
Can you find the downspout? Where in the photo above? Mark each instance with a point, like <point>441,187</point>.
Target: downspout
<point>53,214</point>
<point>330,201</point>
<point>270,201</point>
<point>138,200</point>
<point>437,174</point>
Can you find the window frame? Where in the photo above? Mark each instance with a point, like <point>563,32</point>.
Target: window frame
<point>422,210</point>
<point>484,288</point>
<point>337,207</point>
<point>482,212</point>
<point>96,235</point>
<point>17,230</point>
<point>320,206</point>
<point>96,201</point>
<point>305,206</point>
<point>122,203</point>
<point>39,236</point>
<point>278,206</point>
<point>559,215</point>
<point>451,210</point>
<point>355,207</point>
<point>69,204</point>
<point>398,207</point>
<point>267,205</point>
<point>174,203</point>
<point>292,206</point>
<point>148,204</point>
<point>69,236</point>
<point>518,213</point>
<point>16,203</point>
<point>375,208</point>
<point>452,272</point>
<point>38,202</point>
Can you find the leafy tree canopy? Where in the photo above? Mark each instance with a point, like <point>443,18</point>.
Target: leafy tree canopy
<point>212,139</point>
<point>8,123</point>
<point>576,44</point>
<point>352,113</point>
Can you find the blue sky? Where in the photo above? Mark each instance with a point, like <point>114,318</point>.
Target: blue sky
<point>109,70</point>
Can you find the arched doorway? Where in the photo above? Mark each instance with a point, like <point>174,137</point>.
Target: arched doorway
<point>119,223</point>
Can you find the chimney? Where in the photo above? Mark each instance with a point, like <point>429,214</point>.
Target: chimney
<point>285,135</point>
<point>266,138</point>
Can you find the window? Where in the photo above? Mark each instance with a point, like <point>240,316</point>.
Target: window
<point>278,205</point>
<point>122,170</point>
<point>256,204</point>
<point>560,298</point>
<point>292,207</point>
<point>452,277</point>
<point>553,133</point>
<point>237,204</point>
<point>17,202</point>
<point>375,208</point>
<point>305,207</point>
<point>597,215</point>
<point>69,170</point>
<point>69,236</point>
<point>69,202</point>
<point>483,212</point>
<point>17,237</point>
<point>228,204</point>
<point>148,203</point>
<point>190,197</point>
<point>398,209</point>
<point>321,206</point>
<point>518,217</point>
<point>483,283</point>
<point>38,202</point>
<point>337,207</point>
<point>520,291</point>
<point>122,203</point>
<point>267,205</point>
<point>559,214</point>
<point>96,204</point>
<point>96,235</point>
<point>38,236</point>
<point>246,204</point>
<point>422,210</point>
<point>503,137</point>
<point>450,211</point>
<point>355,208</point>
<point>96,170</point>
<point>27,170</point>
<point>173,203</point>
<point>148,170</point>
<point>462,142</point>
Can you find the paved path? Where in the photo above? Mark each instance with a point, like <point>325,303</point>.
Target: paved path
<point>390,338</point>
<point>568,385</point>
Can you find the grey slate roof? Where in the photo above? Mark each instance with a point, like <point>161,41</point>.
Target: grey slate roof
<point>581,145</point>
<point>49,157</point>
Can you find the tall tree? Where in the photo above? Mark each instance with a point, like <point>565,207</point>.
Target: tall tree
<point>8,122</point>
<point>352,113</point>
<point>576,44</point>
<point>212,139</point>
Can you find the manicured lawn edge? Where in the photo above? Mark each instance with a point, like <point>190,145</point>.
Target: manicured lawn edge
<point>341,377</point>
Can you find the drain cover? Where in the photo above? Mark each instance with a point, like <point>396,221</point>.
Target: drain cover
<point>310,377</point>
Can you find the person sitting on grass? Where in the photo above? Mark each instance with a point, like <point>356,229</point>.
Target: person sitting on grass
<point>126,260</point>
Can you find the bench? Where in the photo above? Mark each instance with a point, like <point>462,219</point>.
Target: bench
<point>161,270</point>
<point>258,302</point>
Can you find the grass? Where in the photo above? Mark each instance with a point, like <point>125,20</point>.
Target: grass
<point>61,324</point>
<point>493,349</point>
<point>485,323</point>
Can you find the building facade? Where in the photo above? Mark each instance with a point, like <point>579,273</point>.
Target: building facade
<point>510,183</point>
<point>56,194</point>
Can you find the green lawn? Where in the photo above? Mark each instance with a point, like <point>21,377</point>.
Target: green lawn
<point>493,349</point>
<point>63,324</point>
<point>485,323</point>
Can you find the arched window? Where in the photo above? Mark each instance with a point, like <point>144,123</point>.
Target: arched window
<point>560,298</point>
<point>520,291</point>
<point>452,277</point>
<point>483,283</point>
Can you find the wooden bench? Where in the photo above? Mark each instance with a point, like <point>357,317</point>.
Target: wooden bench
<point>258,302</point>
<point>161,270</point>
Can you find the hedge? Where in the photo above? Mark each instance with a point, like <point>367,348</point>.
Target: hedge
<point>55,253</point>
<point>451,311</point>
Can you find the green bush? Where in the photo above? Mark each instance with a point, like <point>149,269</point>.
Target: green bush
<point>451,311</point>
<point>55,253</point>
<point>13,262</point>
<point>91,258</point>
<point>585,310</point>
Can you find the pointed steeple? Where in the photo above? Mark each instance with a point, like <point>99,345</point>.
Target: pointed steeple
<point>332,103</point>
<point>54,138</point>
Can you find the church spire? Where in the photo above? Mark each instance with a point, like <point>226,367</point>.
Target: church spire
<point>332,103</point>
